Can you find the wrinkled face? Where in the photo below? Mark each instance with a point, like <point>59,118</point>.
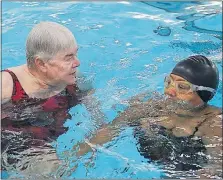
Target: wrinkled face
<point>178,88</point>
<point>62,67</point>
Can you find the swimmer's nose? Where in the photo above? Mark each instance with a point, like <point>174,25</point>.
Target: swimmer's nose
<point>76,62</point>
<point>171,92</point>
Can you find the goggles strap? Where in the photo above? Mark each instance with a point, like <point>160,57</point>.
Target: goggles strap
<point>202,88</point>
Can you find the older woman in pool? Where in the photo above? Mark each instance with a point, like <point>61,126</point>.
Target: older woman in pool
<point>183,131</point>
<point>48,82</point>
<point>37,96</point>
<point>52,62</point>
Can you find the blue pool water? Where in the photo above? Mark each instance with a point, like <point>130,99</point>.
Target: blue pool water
<point>125,48</point>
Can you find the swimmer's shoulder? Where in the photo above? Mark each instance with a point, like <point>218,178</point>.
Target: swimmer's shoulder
<point>214,111</point>
<point>212,126</point>
<point>7,87</point>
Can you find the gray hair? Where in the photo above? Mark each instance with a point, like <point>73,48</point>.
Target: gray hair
<point>46,39</point>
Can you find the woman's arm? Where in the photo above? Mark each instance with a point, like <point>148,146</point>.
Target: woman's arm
<point>106,133</point>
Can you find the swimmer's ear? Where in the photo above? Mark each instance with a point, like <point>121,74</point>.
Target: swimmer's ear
<point>40,64</point>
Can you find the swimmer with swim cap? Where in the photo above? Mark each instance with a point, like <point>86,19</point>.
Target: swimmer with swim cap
<point>194,79</point>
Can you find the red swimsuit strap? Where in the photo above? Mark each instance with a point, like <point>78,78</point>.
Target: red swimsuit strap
<point>18,92</point>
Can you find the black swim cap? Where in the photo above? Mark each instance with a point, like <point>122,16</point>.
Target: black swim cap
<point>200,71</point>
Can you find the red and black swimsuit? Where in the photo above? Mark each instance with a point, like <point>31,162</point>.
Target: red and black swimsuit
<point>56,107</point>
<point>18,92</point>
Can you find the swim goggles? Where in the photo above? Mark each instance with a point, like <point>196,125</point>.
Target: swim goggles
<point>185,87</point>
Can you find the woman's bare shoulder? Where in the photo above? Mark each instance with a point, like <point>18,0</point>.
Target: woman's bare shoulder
<point>214,109</point>
<point>212,126</point>
<point>7,87</point>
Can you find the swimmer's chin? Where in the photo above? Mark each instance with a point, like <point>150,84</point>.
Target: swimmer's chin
<point>72,81</point>
<point>174,104</point>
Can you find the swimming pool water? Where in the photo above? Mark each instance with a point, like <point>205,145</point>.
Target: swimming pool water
<point>125,48</point>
